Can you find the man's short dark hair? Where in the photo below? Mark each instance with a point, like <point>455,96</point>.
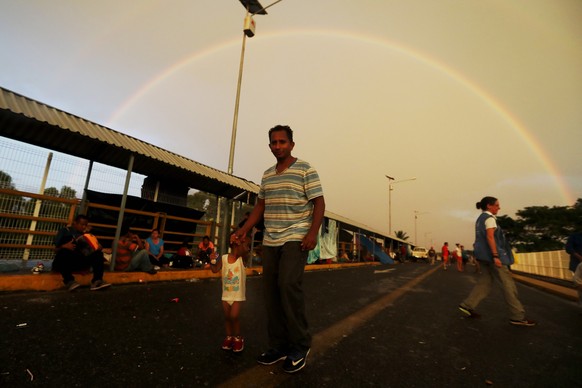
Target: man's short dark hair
<point>285,128</point>
<point>81,217</point>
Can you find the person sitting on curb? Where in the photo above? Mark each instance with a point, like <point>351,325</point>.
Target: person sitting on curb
<point>71,258</point>
<point>130,254</point>
<point>154,244</point>
<point>205,250</point>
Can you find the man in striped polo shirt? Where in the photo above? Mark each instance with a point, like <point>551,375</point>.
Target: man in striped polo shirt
<point>292,205</point>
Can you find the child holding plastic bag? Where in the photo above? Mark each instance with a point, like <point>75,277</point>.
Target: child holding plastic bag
<point>233,291</point>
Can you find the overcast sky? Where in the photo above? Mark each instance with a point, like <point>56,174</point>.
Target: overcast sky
<point>472,98</point>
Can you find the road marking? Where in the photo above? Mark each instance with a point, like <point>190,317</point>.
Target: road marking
<point>273,375</point>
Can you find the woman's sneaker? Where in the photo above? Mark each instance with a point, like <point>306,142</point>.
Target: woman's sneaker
<point>227,343</point>
<point>522,322</point>
<point>470,313</point>
<point>238,344</point>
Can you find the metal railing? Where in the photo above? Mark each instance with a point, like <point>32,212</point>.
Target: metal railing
<point>29,223</point>
<point>553,264</point>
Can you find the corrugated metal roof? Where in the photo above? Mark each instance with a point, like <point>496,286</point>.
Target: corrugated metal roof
<point>30,121</point>
<point>355,226</point>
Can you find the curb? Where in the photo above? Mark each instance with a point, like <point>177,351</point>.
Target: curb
<point>564,292</point>
<point>52,281</point>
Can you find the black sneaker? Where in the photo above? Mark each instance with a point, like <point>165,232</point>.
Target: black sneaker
<point>98,285</point>
<point>72,285</point>
<point>295,361</point>
<point>470,313</point>
<point>271,356</point>
<point>522,322</point>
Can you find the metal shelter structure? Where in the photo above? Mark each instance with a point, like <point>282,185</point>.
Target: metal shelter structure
<point>33,122</point>
<point>29,121</point>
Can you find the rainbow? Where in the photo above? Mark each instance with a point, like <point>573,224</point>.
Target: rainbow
<point>455,75</point>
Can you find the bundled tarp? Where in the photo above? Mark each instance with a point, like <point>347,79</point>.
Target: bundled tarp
<point>375,249</point>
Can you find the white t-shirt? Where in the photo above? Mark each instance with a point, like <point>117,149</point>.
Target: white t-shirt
<point>491,222</point>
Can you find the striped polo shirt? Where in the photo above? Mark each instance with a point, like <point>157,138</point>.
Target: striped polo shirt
<point>288,210</point>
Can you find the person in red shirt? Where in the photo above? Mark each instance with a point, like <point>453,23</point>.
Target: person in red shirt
<point>131,255</point>
<point>445,255</point>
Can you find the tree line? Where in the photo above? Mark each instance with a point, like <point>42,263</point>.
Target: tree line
<point>542,228</point>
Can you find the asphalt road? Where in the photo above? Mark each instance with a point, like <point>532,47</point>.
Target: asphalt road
<point>389,326</point>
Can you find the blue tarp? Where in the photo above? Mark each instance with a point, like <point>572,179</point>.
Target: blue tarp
<point>375,250</point>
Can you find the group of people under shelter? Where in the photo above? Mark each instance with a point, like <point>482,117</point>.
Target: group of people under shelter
<point>77,250</point>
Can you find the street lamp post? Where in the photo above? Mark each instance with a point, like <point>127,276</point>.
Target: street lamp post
<point>390,188</point>
<point>253,7</point>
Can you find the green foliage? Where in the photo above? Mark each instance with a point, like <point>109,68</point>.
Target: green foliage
<point>401,235</point>
<point>205,202</point>
<point>542,228</point>
<point>8,203</point>
<point>68,192</point>
<point>6,181</point>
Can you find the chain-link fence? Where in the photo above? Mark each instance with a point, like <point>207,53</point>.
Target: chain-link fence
<point>23,166</point>
<point>42,191</point>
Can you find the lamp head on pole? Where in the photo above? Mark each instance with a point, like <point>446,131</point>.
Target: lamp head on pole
<point>254,7</point>
<point>249,26</point>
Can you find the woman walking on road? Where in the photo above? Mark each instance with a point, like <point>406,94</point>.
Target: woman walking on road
<point>495,256</point>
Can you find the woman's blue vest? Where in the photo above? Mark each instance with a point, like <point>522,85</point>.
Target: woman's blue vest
<point>481,248</point>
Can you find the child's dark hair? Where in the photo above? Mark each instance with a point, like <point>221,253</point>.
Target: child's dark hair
<point>486,201</point>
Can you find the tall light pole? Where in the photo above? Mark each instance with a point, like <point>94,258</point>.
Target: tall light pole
<point>416,214</point>
<point>253,7</point>
<point>390,188</point>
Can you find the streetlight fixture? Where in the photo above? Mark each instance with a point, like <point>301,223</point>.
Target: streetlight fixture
<point>416,214</point>
<point>392,182</point>
<point>253,7</point>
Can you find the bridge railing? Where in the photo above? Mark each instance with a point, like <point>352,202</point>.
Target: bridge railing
<point>553,264</point>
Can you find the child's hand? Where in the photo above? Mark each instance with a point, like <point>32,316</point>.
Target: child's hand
<point>213,258</point>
